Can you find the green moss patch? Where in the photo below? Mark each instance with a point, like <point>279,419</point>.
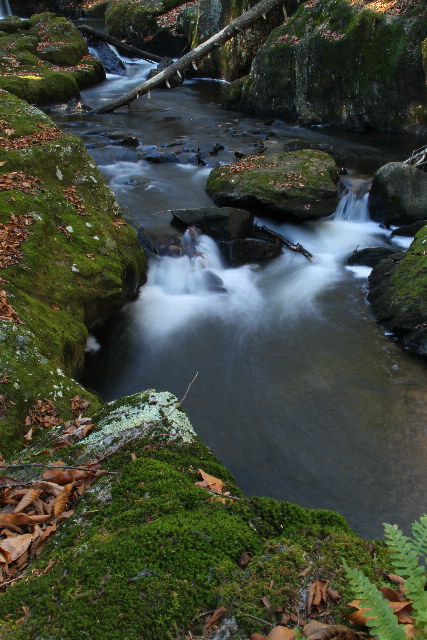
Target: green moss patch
<point>74,270</point>
<point>45,59</point>
<point>298,183</point>
<point>136,20</point>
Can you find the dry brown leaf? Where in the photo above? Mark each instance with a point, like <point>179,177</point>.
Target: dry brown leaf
<point>13,548</point>
<point>320,631</point>
<point>27,499</point>
<point>403,612</point>
<point>411,631</point>
<point>61,475</point>
<point>305,572</point>
<point>210,482</point>
<point>217,615</point>
<point>61,500</point>
<point>20,519</point>
<point>396,579</point>
<point>28,436</point>
<point>266,602</point>
<point>245,559</point>
<point>358,616</point>
<point>281,633</point>
<point>48,487</point>
<point>391,594</point>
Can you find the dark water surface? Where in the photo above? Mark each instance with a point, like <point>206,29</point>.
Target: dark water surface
<point>299,392</point>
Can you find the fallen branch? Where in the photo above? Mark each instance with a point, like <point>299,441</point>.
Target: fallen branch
<point>127,48</point>
<point>418,158</point>
<point>298,248</point>
<point>44,466</point>
<point>191,58</point>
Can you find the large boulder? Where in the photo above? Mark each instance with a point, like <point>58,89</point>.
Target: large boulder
<point>369,61</point>
<point>298,184</point>
<point>44,59</point>
<point>398,294</point>
<point>398,194</point>
<point>69,261</point>
<point>222,223</point>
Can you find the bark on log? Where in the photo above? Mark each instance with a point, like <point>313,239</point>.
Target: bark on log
<point>191,58</point>
<point>127,48</point>
<point>298,248</point>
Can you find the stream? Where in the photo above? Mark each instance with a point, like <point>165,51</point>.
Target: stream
<point>299,392</point>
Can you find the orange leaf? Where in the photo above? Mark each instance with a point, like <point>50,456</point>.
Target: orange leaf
<point>281,633</point>
<point>13,548</point>
<point>217,615</point>
<point>55,307</point>
<point>210,482</point>
<point>27,499</point>
<point>411,631</point>
<point>61,500</point>
<point>18,519</point>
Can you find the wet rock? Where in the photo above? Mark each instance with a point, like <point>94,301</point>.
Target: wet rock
<point>128,141</point>
<point>370,257</point>
<point>110,60</point>
<point>297,184</point>
<point>219,222</point>
<point>409,230</point>
<point>159,157</point>
<point>398,293</point>
<point>252,250</point>
<point>398,194</point>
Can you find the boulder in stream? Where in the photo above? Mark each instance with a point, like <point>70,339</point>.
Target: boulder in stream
<point>222,223</point>
<point>370,257</point>
<point>398,194</point>
<point>297,184</point>
<point>398,294</point>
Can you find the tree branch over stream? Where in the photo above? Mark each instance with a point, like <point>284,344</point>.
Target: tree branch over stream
<point>230,31</point>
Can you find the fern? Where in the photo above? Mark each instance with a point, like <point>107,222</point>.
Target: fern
<point>405,552</point>
<point>405,555</point>
<point>384,623</point>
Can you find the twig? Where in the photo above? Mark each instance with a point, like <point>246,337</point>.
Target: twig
<point>18,484</point>
<point>44,466</point>
<point>255,618</point>
<point>203,614</point>
<point>221,494</point>
<point>149,425</point>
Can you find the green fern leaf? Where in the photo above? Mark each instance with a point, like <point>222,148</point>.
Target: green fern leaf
<point>419,532</point>
<point>384,624</point>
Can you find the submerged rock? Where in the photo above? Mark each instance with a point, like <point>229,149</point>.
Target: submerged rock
<point>398,194</point>
<point>298,184</point>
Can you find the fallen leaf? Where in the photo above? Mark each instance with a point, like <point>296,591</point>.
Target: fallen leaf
<point>245,558</point>
<point>20,519</point>
<point>217,615</point>
<point>266,602</point>
<point>210,482</point>
<point>55,307</point>
<point>320,631</point>
<point>12,548</point>
<point>61,500</point>
<point>27,499</point>
<point>281,633</point>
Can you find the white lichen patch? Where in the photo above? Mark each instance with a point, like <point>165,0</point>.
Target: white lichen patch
<point>59,173</point>
<point>150,413</point>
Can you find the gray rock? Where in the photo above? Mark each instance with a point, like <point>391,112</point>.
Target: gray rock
<point>252,251</point>
<point>409,230</point>
<point>219,222</point>
<point>398,194</point>
<point>159,157</point>
<point>370,257</point>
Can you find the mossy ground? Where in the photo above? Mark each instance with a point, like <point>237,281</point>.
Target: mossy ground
<point>44,59</point>
<point>298,183</point>
<point>148,551</point>
<point>74,271</point>
<point>369,62</point>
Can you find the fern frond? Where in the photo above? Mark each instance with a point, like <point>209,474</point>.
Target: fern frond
<point>384,625</point>
<point>419,532</point>
<point>405,552</point>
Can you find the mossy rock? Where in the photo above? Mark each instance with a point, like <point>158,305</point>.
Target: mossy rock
<point>74,271</point>
<point>298,184</point>
<point>398,294</point>
<point>46,61</point>
<point>147,551</point>
<point>371,63</point>
<point>135,21</point>
<point>398,194</point>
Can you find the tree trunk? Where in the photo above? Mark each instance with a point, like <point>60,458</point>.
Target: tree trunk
<point>202,50</point>
<point>127,48</point>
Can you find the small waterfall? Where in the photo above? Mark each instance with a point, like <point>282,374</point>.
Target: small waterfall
<point>5,9</point>
<point>353,204</point>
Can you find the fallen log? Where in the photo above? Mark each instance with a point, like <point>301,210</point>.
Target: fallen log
<point>191,58</point>
<point>297,247</point>
<point>127,48</point>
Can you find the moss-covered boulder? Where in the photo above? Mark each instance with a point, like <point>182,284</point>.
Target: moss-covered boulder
<point>340,63</point>
<point>68,262</point>
<point>147,552</point>
<point>136,20</point>
<point>74,9</point>
<point>398,194</point>
<point>298,184</point>
<point>398,294</point>
<point>44,59</point>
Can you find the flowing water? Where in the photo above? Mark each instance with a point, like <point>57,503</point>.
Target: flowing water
<point>5,10</point>
<point>299,392</point>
